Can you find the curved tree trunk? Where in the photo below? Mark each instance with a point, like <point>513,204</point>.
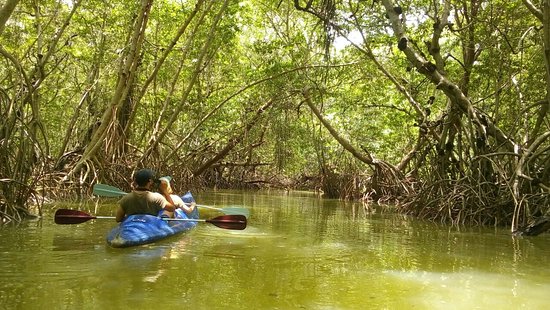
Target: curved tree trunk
<point>127,71</point>
<point>167,51</point>
<point>483,125</point>
<point>233,141</point>
<point>5,13</point>
<point>158,135</point>
<point>23,131</point>
<point>387,180</point>
<point>367,159</point>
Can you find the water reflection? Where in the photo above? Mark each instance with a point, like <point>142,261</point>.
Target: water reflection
<point>298,252</point>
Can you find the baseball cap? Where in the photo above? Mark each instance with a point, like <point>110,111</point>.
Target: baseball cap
<point>143,176</point>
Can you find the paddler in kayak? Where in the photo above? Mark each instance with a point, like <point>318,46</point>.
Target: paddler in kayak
<point>177,200</point>
<point>142,200</point>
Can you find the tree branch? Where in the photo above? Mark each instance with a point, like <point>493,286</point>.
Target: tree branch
<point>233,141</point>
<point>343,142</point>
<point>5,13</point>
<point>534,10</point>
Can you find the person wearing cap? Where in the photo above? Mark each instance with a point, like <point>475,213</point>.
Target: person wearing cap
<point>142,200</point>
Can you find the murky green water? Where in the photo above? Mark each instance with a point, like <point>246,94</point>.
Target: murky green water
<point>298,252</point>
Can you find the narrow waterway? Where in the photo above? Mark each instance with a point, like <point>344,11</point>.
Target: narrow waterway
<point>298,252</point>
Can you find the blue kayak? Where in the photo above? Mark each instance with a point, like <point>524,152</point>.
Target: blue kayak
<point>141,229</point>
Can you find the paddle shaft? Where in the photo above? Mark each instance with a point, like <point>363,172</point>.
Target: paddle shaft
<point>104,217</point>
<point>67,216</point>
<point>199,220</point>
<point>208,207</point>
<point>94,217</point>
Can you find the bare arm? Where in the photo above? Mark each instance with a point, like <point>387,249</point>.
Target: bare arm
<point>165,191</point>
<point>186,207</point>
<point>189,207</point>
<point>119,214</point>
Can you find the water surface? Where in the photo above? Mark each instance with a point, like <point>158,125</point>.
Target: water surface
<point>298,252</point>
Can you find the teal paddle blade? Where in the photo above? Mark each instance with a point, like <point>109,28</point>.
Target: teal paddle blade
<point>107,191</point>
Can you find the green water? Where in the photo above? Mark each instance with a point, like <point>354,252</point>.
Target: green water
<point>298,252</point>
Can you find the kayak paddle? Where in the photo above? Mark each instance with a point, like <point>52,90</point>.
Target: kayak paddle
<point>107,191</point>
<point>111,191</point>
<point>68,216</point>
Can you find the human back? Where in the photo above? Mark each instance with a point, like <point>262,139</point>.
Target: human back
<point>142,202</point>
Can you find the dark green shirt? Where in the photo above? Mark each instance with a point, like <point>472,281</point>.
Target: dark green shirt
<point>142,202</point>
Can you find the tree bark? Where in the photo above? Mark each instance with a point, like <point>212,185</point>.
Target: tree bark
<point>168,50</point>
<point>368,159</point>
<point>546,45</point>
<point>233,141</point>
<point>158,136</point>
<point>127,71</point>
<point>5,13</point>
<point>455,94</point>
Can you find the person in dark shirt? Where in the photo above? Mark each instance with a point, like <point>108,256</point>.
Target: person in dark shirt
<point>142,200</point>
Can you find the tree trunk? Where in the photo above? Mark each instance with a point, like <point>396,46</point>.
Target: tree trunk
<point>157,137</point>
<point>158,64</point>
<point>127,72</point>
<point>367,159</point>
<point>233,141</point>
<point>5,13</point>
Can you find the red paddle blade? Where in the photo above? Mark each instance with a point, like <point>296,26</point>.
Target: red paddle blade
<point>67,216</point>
<point>235,221</point>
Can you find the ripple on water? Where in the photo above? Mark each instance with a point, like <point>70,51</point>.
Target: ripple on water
<point>472,289</point>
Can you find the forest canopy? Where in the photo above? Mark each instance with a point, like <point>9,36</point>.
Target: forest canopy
<point>437,106</point>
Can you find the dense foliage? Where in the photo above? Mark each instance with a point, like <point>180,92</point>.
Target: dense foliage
<point>439,106</point>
